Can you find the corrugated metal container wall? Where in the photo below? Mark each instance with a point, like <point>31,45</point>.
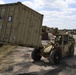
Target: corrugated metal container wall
<point>20,25</point>
<point>7,14</point>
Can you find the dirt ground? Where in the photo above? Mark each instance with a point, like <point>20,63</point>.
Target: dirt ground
<point>19,62</point>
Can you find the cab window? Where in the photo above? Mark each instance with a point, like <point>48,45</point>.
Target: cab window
<point>65,39</point>
<point>58,39</point>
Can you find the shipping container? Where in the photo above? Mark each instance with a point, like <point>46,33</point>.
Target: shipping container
<point>20,25</point>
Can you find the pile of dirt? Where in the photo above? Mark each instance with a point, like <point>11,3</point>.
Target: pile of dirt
<point>6,50</point>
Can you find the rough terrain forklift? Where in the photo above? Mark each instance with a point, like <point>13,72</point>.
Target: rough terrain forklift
<point>62,46</point>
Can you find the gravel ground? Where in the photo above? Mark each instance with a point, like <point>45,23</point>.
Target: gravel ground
<point>19,62</point>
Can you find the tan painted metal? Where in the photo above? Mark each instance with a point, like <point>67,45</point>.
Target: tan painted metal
<point>20,24</point>
<point>48,49</point>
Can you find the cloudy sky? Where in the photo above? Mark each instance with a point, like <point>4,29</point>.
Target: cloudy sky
<point>57,13</point>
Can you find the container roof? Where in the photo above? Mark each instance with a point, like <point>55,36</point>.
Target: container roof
<point>19,3</point>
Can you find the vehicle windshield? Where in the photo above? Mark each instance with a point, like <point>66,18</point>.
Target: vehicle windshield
<point>58,39</point>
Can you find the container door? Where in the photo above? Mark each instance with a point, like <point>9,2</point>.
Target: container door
<point>2,21</point>
<point>6,25</point>
<point>8,30</point>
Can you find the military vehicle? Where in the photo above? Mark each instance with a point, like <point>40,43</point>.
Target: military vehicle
<point>20,25</point>
<point>62,46</point>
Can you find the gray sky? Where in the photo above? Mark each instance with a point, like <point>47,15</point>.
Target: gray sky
<point>57,13</point>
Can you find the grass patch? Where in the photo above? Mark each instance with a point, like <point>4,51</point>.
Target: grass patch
<point>6,50</point>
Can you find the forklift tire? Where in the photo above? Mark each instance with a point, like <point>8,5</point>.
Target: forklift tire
<point>36,54</point>
<point>1,44</point>
<point>71,51</point>
<point>55,57</point>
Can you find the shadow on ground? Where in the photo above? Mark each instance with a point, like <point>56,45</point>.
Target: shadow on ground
<point>57,68</point>
<point>63,65</point>
<point>60,67</point>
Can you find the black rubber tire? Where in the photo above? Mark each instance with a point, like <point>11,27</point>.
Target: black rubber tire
<point>1,44</point>
<point>55,57</point>
<point>71,51</point>
<point>36,54</point>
